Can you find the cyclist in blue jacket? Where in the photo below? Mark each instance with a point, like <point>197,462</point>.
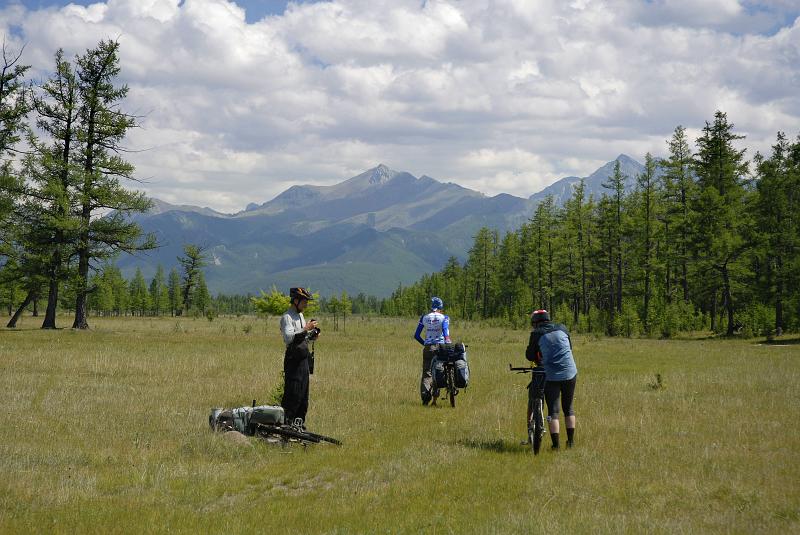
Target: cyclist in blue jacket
<point>551,347</point>
<point>433,328</point>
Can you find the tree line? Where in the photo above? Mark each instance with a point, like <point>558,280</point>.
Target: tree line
<point>705,240</point>
<point>63,206</point>
<point>176,294</point>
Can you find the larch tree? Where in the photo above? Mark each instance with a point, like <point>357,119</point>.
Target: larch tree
<point>192,263</point>
<point>102,128</point>
<point>57,175</point>
<point>778,220</point>
<point>678,184</point>
<point>722,221</point>
<point>174,293</point>
<point>616,184</point>
<point>14,107</point>
<point>646,224</point>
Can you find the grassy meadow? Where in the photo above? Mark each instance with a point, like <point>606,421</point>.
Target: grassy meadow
<point>106,431</point>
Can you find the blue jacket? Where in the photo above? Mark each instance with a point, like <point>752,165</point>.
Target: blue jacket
<point>551,347</point>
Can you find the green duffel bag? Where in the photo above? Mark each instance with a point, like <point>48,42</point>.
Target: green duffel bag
<point>267,415</point>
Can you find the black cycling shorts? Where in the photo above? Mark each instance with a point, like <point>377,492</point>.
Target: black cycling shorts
<point>565,389</point>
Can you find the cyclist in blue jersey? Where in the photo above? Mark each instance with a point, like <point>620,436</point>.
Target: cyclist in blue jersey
<point>433,329</point>
<point>551,347</point>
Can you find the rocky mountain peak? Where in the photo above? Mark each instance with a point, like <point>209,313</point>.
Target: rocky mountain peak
<point>381,175</point>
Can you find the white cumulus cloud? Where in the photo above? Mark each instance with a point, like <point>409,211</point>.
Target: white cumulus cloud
<point>504,96</point>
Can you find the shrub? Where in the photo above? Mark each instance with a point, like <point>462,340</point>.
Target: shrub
<point>276,394</point>
<point>627,322</point>
<point>679,317</point>
<point>757,320</point>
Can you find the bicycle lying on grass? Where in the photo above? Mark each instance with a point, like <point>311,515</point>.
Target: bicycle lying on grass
<point>535,405</point>
<point>265,422</point>
<point>293,431</point>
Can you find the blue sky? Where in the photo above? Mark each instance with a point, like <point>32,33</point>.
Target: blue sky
<point>502,96</point>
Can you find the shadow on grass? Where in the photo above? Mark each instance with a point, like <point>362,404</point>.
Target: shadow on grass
<point>497,446</point>
<point>781,342</point>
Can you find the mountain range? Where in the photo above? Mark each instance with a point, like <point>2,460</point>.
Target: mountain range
<point>368,234</point>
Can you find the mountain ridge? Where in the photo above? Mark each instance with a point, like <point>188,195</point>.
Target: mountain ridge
<point>369,233</point>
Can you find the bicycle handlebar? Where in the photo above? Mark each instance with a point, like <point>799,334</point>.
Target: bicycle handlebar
<point>529,369</point>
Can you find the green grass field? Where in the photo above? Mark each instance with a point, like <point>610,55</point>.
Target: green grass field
<point>106,432</point>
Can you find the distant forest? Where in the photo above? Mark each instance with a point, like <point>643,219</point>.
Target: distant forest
<point>707,240</point>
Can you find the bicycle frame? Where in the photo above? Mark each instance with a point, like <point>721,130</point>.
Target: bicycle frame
<point>535,405</point>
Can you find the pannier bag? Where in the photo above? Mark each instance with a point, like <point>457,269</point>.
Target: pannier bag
<point>244,419</point>
<point>267,415</point>
<point>462,373</point>
<point>457,354</point>
<point>437,370</point>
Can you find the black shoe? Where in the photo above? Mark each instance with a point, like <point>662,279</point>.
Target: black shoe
<point>555,448</point>
<point>570,444</point>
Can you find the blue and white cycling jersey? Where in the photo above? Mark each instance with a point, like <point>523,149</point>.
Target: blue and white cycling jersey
<point>437,329</point>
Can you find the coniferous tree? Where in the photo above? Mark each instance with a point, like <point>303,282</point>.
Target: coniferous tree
<point>174,292</point>
<point>607,244</point>
<point>540,252</point>
<point>102,128</point>
<point>159,293</point>
<point>120,290</point>
<point>678,185</point>
<point>192,264</point>
<point>140,298</point>
<point>510,276</point>
<point>14,107</point>
<point>101,301</point>
<point>57,175</point>
<point>616,183</point>
<point>722,222</point>
<point>482,266</point>
<point>451,275</point>
<point>646,224</point>
<point>576,232</point>
<point>201,298</point>
<point>778,221</point>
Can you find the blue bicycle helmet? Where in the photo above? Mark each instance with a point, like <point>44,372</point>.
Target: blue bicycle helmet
<point>436,303</point>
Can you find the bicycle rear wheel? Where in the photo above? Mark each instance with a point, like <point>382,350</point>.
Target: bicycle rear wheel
<point>286,433</point>
<point>536,429</point>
